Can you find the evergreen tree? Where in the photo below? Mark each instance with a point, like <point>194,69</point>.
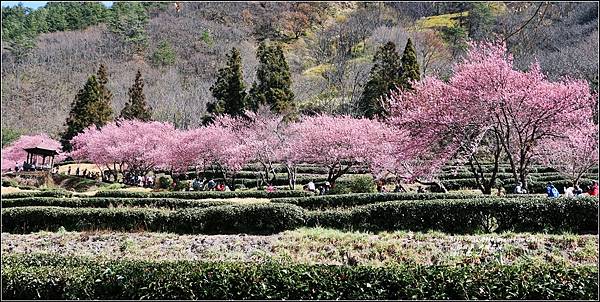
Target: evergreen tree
<point>164,54</point>
<point>136,107</point>
<point>273,85</point>
<point>384,76</point>
<point>105,101</point>
<point>128,20</point>
<point>229,89</point>
<point>410,66</point>
<point>90,107</point>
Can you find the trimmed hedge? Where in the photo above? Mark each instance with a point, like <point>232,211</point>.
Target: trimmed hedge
<point>252,219</point>
<point>450,216</point>
<point>351,200</point>
<point>33,219</point>
<point>54,277</point>
<point>203,194</point>
<point>105,202</point>
<point>53,193</point>
<point>260,218</point>
<point>468,216</point>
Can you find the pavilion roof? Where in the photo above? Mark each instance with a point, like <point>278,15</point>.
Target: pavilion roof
<point>42,150</point>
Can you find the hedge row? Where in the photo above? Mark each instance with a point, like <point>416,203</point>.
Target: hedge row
<point>259,218</point>
<point>53,277</point>
<point>450,216</point>
<point>351,200</point>
<point>52,193</point>
<point>467,216</point>
<point>105,202</point>
<point>203,194</point>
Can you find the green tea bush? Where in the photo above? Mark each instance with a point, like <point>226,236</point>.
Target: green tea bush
<point>469,216</point>
<point>54,277</point>
<point>203,194</point>
<point>50,193</point>
<point>260,218</point>
<point>248,218</point>
<point>105,202</point>
<point>351,200</point>
<point>164,182</point>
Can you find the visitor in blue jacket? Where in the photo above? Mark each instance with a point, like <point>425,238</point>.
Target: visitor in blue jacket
<point>551,190</point>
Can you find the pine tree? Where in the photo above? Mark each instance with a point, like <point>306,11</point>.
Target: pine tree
<point>137,108</point>
<point>410,66</point>
<point>273,85</point>
<point>90,107</point>
<point>229,88</point>
<point>384,76</point>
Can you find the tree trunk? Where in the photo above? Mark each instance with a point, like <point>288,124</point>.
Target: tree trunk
<point>523,179</point>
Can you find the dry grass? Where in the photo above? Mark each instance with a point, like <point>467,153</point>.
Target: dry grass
<point>315,245</point>
<point>6,190</point>
<point>90,167</point>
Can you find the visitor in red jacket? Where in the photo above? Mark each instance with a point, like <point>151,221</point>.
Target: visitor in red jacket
<point>594,189</point>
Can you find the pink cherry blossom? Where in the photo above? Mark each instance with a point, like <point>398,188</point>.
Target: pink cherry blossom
<point>14,153</point>
<point>571,156</point>
<point>487,107</point>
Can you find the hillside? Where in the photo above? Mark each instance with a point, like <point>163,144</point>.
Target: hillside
<point>328,46</point>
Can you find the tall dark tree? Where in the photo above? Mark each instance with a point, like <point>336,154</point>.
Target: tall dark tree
<point>480,20</point>
<point>273,85</point>
<point>384,76</point>
<point>137,108</point>
<point>229,88</point>
<point>411,71</point>
<point>90,107</point>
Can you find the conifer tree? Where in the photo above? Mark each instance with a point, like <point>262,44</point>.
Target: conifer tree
<point>137,108</point>
<point>384,76</point>
<point>273,85</point>
<point>410,66</point>
<point>229,88</point>
<point>92,106</point>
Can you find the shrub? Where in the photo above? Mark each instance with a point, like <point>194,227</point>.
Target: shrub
<point>181,185</point>
<point>203,194</point>
<point>54,277</point>
<point>164,182</point>
<point>251,219</point>
<point>32,219</point>
<point>105,202</point>
<point>260,218</point>
<point>470,215</point>
<point>351,200</point>
<point>50,193</point>
<point>356,184</point>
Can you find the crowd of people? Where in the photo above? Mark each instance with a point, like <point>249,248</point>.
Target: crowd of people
<point>210,185</point>
<point>575,191</point>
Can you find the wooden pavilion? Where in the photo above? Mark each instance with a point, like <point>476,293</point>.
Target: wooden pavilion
<point>46,154</point>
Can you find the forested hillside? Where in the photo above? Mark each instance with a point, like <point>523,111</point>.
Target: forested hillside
<point>49,53</point>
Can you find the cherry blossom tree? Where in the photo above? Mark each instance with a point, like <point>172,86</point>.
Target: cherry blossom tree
<point>133,148</point>
<point>489,109</point>
<point>15,153</point>
<point>264,134</point>
<point>572,156</point>
<point>338,143</point>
